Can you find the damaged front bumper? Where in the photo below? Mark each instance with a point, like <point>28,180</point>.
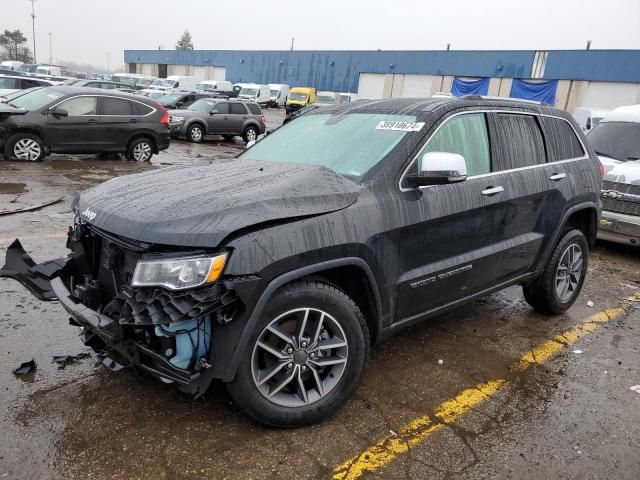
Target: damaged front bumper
<point>168,334</point>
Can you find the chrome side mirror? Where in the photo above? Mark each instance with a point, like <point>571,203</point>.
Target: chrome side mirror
<point>437,168</point>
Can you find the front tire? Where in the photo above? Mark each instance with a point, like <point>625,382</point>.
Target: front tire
<point>195,133</point>
<point>559,286</point>
<point>140,150</point>
<point>250,134</point>
<point>305,358</point>
<point>25,147</point>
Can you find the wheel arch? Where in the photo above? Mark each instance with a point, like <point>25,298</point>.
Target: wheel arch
<point>149,135</point>
<point>329,271</point>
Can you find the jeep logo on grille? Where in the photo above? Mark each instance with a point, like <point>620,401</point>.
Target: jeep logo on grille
<point>88,214</point>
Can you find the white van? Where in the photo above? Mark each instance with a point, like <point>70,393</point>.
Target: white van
<point>279,94</point>
<point>13,65</point>
<point>222,86</point>
<point>260,94</point>
<point>327,98</point>
<point>51,70</point>
<point>175,81</point>
<point>588,117</point>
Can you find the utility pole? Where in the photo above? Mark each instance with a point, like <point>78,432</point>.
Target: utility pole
<point>50,49</point>
<point>293,39</point>
<point>33,24</point>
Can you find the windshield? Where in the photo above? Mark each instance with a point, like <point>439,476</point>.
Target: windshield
<point>202,106</point>
<point>301,97</point>
<point>347,144</point>
<point>169,98</point>
<point>326,99</point>
<point>249,92</point>
<point>617,140</point>
<point>10,96</point>
<point>274,93</point>
<point>164,83</point>
<point>36,99</point>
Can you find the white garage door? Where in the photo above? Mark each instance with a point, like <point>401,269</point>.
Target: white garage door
<point>200,73</point>
<point>416,86</point>
<point>219,73</point>
<point>610,95</point>
<point>146,69</point>
<point>371,85</point>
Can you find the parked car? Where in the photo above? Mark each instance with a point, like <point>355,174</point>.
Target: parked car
<point>182,82</point>
<point>278,94</point>
<point>104,84</point>
<point>12,83</point>
<point>588,117</point>
<point>136,81</point>
<point>276,271</point>
<point>300,97</point>
<point>261,94</point>
<point>222,87</point>
<point>12,64</point>
<point>52,70</point>
<point>346,97</point>
<point>226,117</point>
<point>177,100</point>
<point>327,98</point>
<point>298,113</point>
<point>616,140</point>
<point>155,94</point>
<point>63,119</point>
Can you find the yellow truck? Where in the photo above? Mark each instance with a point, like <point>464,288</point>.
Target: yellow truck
<point>300,97</point>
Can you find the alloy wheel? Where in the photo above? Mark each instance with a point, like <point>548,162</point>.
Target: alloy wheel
<point>299,357</point>
<point>251,135</point>
<point>142,152</point>
<point>196,134</point>
<point>569,272</point>
<point>27,149</point>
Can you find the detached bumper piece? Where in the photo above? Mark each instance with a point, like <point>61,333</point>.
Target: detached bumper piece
<point>36,278</point>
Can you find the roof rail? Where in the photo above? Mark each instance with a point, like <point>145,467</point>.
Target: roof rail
<point>506,99</point>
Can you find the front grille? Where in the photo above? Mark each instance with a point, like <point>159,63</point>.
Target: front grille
<point>115,269</point>
<point>618,205</point>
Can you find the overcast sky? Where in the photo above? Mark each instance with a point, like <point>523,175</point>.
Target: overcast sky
<point>84,31</point>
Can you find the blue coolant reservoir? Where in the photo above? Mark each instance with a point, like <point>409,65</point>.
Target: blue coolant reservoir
<point>192,337</point>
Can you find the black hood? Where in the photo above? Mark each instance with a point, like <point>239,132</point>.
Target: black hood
<point>200,206</point>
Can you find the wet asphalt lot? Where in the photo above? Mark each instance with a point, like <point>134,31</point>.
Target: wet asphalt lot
<point>565,415</point>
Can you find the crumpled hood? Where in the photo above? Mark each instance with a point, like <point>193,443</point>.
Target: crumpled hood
<point>621,172</point>
<point>199,206</point>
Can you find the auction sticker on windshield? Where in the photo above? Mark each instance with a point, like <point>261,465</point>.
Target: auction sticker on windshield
<point>400,126</point>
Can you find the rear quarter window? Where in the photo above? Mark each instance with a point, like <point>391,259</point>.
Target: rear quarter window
<point>254,108</point>
<point>562,141</point>
<point>517,142</point>
<point>140,109</point>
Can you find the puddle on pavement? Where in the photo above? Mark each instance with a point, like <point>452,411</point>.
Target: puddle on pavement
<point>13,188</point>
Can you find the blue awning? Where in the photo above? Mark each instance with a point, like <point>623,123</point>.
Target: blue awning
<point>544,92</point>
<point>461,87</point>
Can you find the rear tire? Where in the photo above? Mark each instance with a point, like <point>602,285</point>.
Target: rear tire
<point>195,133</point>
<point>308,377</point>
<point>25,147</point>
<point>250,134</point>
<point>559,286</point>
<point>140,150</point>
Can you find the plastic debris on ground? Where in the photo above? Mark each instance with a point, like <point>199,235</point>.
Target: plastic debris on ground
<point>64,360</point>
<point>635,388</point>
<point>577,351</point>
<point>26,368</point>
<point>589,303</point>
<point>440,362</point>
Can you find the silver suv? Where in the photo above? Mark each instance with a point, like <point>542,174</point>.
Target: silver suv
<point>212,116</point>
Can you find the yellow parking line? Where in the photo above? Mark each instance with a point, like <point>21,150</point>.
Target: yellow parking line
<point>418,430</point>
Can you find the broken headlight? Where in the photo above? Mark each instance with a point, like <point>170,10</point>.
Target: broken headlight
<point>178,273</point>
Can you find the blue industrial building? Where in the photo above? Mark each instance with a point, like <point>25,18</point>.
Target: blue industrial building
<point>339,70</point>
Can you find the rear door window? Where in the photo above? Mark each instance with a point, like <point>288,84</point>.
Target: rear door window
<point>465,135</point>
<point>116,106</point>
<point>517,142</point>
<point>562,141</point>
<point>254,108</point>
<point>238,109</point>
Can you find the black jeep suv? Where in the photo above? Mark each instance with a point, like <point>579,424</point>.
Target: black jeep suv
<point>63,119</point>
<point>276,271</point>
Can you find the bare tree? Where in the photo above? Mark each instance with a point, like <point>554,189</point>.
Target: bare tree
<point>13,46</point>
